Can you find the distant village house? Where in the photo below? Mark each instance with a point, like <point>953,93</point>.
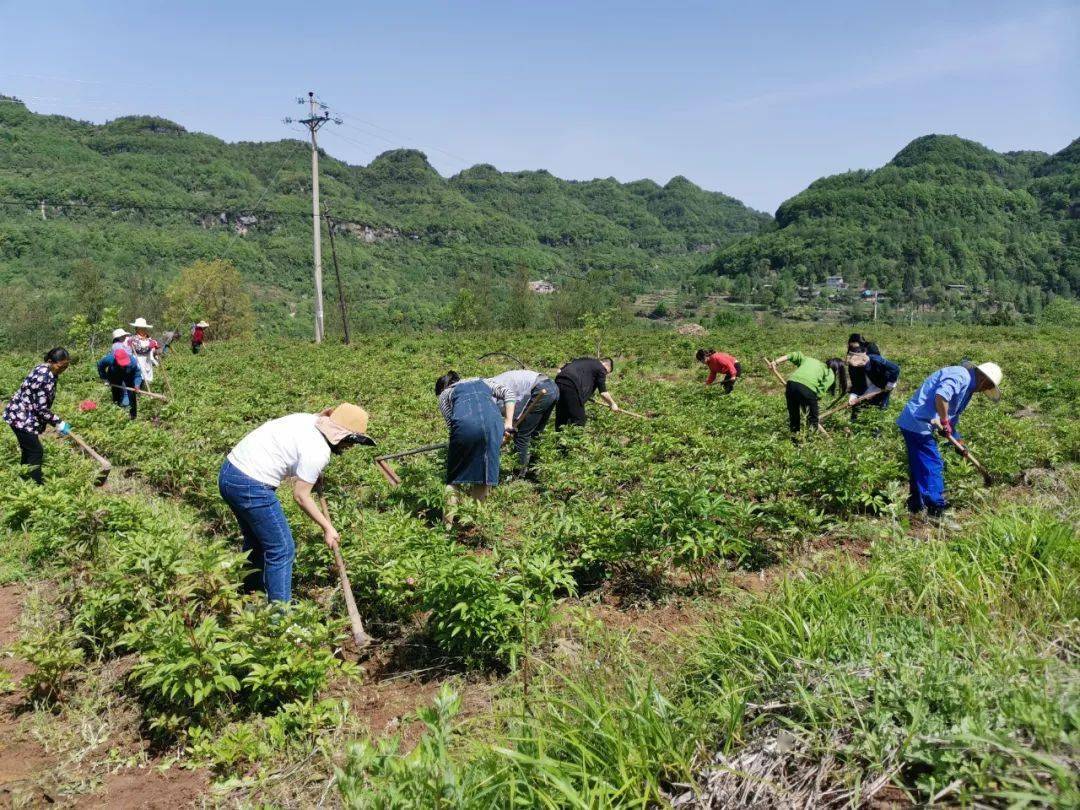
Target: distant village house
<point>541,287</point>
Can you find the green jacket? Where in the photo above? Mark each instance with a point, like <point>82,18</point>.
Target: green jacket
<point>812,373</point>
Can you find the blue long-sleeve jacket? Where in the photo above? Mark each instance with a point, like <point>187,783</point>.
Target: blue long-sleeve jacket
<point>129,376</point>
<point>954,384</point>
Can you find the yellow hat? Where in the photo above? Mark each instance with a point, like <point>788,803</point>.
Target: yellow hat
<point>346,421</point>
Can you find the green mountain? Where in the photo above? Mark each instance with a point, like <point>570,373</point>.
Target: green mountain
<point>944,211</point>
<point>139,197</point>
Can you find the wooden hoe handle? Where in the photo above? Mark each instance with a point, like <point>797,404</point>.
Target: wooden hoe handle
<point>102,462</point>
<point>139,391</point>
<point>987,478</point>
<point>360,636</point>
<point>776,373</point>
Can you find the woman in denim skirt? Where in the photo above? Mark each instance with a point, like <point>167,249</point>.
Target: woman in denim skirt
<point>476,434</point>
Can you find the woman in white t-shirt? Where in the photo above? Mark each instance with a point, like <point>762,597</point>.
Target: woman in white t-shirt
<point>298,445</point>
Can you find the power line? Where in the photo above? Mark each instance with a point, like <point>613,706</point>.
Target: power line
<point>353,117</point>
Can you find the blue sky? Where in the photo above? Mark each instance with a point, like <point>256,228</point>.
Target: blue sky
<point>755,99</point>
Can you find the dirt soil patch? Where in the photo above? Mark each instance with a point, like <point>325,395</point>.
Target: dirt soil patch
<point>148,788</point>
<point>21,760</point>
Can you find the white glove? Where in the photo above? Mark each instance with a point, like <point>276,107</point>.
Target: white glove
<point>852,398</point>
<point>890,386</point>
<point>63,428</point>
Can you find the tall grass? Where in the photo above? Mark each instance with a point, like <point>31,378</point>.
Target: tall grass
<point>947,668</point>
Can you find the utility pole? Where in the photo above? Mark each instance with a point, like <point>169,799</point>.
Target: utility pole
<point>340,289</point>
<point>314,122</point>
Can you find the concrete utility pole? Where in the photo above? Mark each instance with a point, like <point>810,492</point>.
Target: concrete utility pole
<point>314,122</point>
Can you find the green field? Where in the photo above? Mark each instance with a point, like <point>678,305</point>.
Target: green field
<point>679,611</point>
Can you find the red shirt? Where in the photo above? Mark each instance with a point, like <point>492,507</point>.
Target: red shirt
<point>720,363</point>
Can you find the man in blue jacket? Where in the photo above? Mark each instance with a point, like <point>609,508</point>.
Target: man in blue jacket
<point>119,369</point>
<point>937,406</point>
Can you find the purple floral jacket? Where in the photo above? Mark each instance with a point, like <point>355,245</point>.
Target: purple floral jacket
<point>30,408</point>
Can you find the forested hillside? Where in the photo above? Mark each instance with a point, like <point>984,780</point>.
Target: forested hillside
<point>944,211</point>
<point>96,216</point>
<point>135,199</point>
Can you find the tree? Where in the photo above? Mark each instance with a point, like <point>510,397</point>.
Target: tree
<point>89,290</point>
<point>743,289</point>
<point>785,291</point>
<point>520,310</point>
<point>212,291</point>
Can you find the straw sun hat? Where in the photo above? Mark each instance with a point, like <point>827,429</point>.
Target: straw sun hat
<point>345,422</point>
<point>140,323</point>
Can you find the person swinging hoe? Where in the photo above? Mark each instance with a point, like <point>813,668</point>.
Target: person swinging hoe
<point>300,445</point>
<point>936,407</point>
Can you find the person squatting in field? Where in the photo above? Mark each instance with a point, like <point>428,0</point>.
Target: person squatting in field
<point>872,377</point>
<point>30,411</point>
<point>120,371</point>
<point>720,363</point>
<point>811,381</point>
<point>936,406</point>
<point>144,349</point>
<point>577,381</point>
<point>471,410</point>
<point>536,393</point>
<point>300,445</point>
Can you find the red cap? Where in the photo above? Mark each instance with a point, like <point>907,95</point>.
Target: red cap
<point>122,358</point>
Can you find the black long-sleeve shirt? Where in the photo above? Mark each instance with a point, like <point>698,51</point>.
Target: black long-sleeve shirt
<point>586,375</point>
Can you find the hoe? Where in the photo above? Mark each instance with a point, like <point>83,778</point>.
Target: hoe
<point>105,466</point>
<point>988,480</point>
<point>360,635</point>
<point>139,391</point>
<point>843,406</point>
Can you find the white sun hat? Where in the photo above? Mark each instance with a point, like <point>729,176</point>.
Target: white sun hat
<point>992,372</point>
<point>140,323</point>
<point>203,324</point>
<point>120,332</point>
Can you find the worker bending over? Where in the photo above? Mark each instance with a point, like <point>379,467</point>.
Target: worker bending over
<point>811,381</point>
<point>937,406</point>
<point>537,394</point>
<point>720,363</point>
<point>30,411</point>
<point>477,432</point>
<point>873,379</point>
<point>122,373</point>
<point>299,445</point>
<point>578,380</point>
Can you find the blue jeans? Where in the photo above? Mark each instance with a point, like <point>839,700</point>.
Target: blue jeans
<point>546,394</point>
<point>267,537</point>
<point>926,470</point>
